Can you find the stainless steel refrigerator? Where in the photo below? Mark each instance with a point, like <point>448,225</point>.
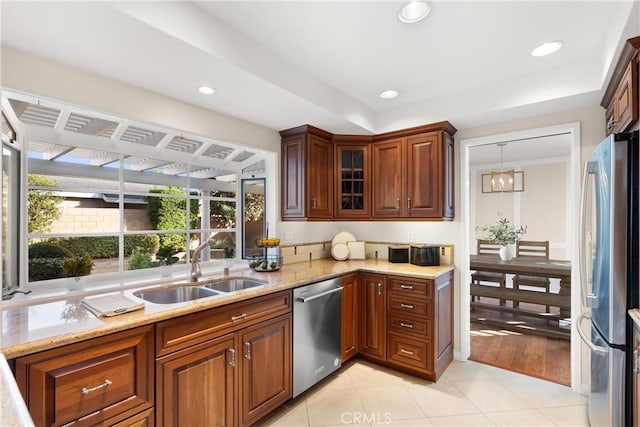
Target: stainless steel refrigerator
<point>609,275</point>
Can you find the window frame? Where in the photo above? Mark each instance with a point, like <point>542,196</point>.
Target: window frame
<point>124,278</point>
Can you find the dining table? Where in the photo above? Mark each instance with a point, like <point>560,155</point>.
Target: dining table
<point>530,266</point>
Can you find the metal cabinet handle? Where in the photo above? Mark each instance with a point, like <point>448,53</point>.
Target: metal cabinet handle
<point>398,204</point>
<point>636,361</point>
<point>406,325</point>
<point>379,288</point>
<point>242,316</point>
<point>409,203</point>
<point>313,202</point>
<point>409,306</point>
<point>410,353</point>
<point>232,353</point>
<point>247,348</point>
<point>106,383</point>
<point>410,287</point>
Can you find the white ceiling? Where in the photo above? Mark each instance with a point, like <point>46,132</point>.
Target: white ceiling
<point>282,64</point>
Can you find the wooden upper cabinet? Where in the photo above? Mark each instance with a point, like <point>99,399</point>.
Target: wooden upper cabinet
<point>621,96</point>
<point>388,182</point>
<point>424,177</point>
<point>352,180</point>
<point>307,173</point>
<point>406,174</point>
<point>413,175</point>
<point>319,178</point>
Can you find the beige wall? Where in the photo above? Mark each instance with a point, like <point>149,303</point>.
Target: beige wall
<point>92,216</point>
<point>38,76</point>
<point>541,207</point>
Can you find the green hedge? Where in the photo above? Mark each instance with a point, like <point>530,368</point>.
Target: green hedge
<point>48,250</point>
<point>167,213</point>
<point>45,268</point>
<point>107,246</point>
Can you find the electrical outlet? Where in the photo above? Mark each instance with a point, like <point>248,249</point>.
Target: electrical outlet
<point>410,236</point>
<point>288,236</point>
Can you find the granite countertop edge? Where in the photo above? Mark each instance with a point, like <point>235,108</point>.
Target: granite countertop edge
<point>16,343</point>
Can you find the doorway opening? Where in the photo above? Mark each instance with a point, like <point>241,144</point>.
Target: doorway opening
<point>496,331</point>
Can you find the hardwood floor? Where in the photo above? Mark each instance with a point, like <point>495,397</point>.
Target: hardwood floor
<point>533,355</point>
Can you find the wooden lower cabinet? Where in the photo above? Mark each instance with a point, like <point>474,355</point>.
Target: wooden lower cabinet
<point>372,313</point>
<point>349,316</point>
<point>102,381</point>
<point>230,378</point>
<point>266,368</point>
<point>407,322</point>
<point>197,386</point>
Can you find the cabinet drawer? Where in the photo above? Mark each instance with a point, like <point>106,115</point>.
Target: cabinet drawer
<point>408,352</point>
<point>410,325</point>
<point>182,332</point>
<point>93,380</point>
<point>403,305</point>
<point>399,286</point>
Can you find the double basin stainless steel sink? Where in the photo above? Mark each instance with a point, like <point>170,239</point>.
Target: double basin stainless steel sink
<point>196,290</point>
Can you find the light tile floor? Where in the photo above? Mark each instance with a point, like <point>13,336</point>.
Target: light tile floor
<point>468,394</point>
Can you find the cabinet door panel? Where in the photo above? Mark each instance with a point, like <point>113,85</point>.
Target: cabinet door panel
<point>293,171</point>
<point>373,315</point>
<point>388,175</point>
<point>626,99</point>
<point>320,178</point>
<point>349,316</point>
<point>424,185</point>
<point>448,197</point>
<point>196,386</point>
<point>352,178</point>
<point>266,368</point>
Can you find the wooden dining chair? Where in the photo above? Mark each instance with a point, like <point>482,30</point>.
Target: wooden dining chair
<point>487,247</point>
<point>531,248</point>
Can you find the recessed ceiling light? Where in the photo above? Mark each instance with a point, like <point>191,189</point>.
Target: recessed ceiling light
<point>207,90</point>
<point>414,11</point>
<point>547,48</point>
<point>388,94</point>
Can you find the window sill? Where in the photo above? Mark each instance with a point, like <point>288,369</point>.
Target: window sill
<point>105,285</point>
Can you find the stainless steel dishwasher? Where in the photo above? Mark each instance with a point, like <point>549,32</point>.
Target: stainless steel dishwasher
<point>317,312</point>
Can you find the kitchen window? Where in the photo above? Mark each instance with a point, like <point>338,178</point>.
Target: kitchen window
<point>131,196</point>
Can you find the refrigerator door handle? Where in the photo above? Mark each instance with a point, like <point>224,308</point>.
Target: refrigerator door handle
<point>585,339</point>
<point>585,243</point>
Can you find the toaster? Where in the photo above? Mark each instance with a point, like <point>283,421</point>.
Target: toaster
<point>398,253</point>
<point>425,255</point>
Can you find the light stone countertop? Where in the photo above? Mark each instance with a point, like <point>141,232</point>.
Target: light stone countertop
<point>33,328</point>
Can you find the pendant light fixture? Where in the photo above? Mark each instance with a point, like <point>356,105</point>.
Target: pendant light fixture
<point>503,180</point>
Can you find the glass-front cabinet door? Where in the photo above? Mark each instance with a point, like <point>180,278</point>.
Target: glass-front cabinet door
<point>352,181</point>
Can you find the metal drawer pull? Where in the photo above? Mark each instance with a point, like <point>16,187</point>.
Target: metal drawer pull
<point>232,352</point>
<point>379,289</point>
<point>242,316</point>
<point>409,306</point>
<point>406,325</point>
<point>636,362</point>
<point>247,354</point>
<point>406,287</point>
<point>106,383</point>
<point>410,353</point>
